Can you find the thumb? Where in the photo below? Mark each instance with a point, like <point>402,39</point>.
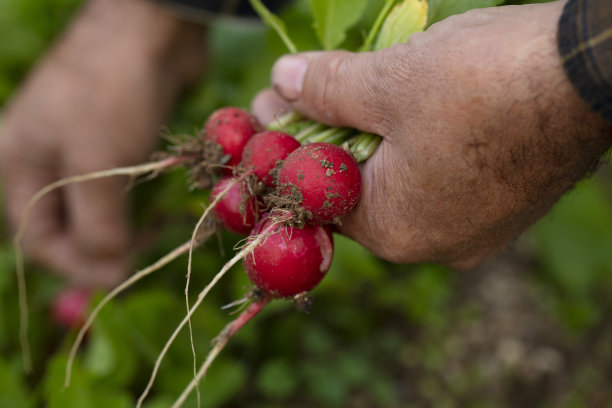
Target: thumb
<point>338,88</point>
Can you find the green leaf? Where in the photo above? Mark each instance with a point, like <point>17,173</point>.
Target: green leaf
<point>332,18</point>
<point>406,18</point>
<point>111,358</point>
<point>382,15</point>
<point>84,391</point>
<point>12,391</point>
<point>78,395</point>
<point>225,380</point>
<point>277,379</point>
<point>7,266</point>
<point>575,239</point>
<point>100,358</point>
<point>440,9</point>
<point>326,384</point>
<point>275,23</point>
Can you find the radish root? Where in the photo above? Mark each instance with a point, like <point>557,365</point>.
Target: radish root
<point>243,252</point>
<point>204,216</point>
<point>160,263</point>
<point>26,354</point>
<point>219,344</point>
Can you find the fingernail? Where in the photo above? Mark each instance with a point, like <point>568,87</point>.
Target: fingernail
<point>288,76</point>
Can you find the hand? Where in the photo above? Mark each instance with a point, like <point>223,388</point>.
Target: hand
<point>94,102</point>
<point>482,131</point>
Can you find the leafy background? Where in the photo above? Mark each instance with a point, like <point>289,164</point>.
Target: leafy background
<point>530,328</point>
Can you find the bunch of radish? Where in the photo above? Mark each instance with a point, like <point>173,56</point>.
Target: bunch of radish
<point>286,195</point>
<point>287,191</point>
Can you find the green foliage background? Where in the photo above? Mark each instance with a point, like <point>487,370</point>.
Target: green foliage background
<point>379,335</point>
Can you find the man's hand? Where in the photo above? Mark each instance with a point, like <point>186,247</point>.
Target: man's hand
<point>95,102</point>
<point>482,131</point>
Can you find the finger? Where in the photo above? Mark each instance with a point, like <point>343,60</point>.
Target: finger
<point>21,181</point>
<point>46,238</point>
<point>338,88</point>
<point>65,259</point>
<point>368,222</point>
<point>97,216</point>
<point>99,232</point>
<point>384,212</point>
<point>79,269</point>
<point>268,106</point>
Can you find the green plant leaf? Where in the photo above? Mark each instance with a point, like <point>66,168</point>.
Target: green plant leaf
<point>406,18</point>
<point>277,379</point>
<point>275,23</point>
<point>375,28</point>
<point>12,390</point>
<point>84,391</point>
<point>440,9</point>
<point>79,392</point>
<point>332,18</point>
<point>110,356</point>
<point>575,248</point>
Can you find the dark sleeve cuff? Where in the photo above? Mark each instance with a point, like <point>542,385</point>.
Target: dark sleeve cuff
<point>205,10</point>
<point>585,45</point>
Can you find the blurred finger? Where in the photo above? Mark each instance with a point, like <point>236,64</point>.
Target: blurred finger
<point>99,227</point>
<point>21,183</point>
<point>47,239</point>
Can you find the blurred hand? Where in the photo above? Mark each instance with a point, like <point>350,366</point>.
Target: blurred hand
<point>482,131</point>
<point>95,101</point>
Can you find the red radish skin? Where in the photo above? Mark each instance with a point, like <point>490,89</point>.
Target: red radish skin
<point>289,261</point>
<point>228,208</point>
<point>264,150</point>
<point>326,177</point>
<point>231,128</point>
<point>70,307</point>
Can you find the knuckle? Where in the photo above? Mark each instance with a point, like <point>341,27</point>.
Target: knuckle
<point>330,86</point>
<point>351,88</point>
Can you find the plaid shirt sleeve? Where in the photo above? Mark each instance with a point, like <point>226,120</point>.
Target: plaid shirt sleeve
<point>585,45</point>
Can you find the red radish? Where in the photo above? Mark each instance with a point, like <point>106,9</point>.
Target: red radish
<point>324,178</point>
<point>231,128</point>
<point>70,307</point>
<point>237,210</point>
<point>264,150</point>
<point>289,260</point>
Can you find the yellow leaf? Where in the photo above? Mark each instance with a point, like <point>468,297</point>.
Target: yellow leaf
<point>406,18</point>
